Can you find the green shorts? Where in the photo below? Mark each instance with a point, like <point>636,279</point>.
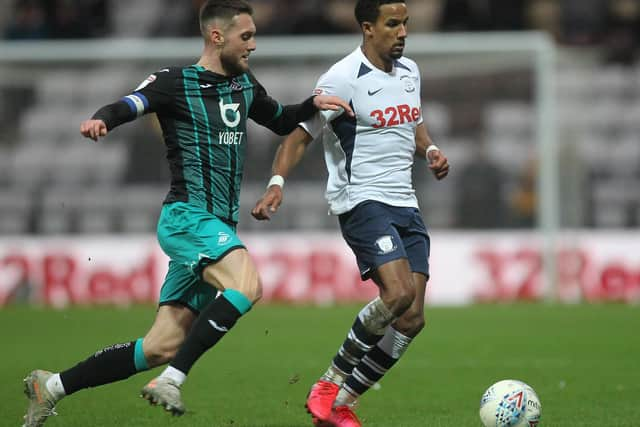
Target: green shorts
<point>192,238</point>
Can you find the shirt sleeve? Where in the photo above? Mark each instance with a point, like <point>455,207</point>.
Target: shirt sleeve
<point>155,94</point>
<point>331,83</point>
<point>282,120</point>
<point>419,86</point>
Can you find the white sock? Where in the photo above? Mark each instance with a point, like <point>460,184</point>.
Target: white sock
<point>334,375</point>
<point>375,317</point>
<point>174,374</point>
<point>394,343</point>
<point>345,398</point>
<point>55,387</point>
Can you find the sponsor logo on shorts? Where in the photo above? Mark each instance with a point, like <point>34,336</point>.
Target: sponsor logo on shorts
<point>386,245</point>
<point>223,238</point>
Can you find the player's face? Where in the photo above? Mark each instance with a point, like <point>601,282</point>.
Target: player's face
<point>390,31</point>
<point>239,42</point>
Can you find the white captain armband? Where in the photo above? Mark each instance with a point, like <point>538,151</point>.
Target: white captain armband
<point>276,180</point>
<point>137,102</point>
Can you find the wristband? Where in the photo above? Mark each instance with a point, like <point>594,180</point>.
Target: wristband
<point>432,147</point>
<point>276,180</point>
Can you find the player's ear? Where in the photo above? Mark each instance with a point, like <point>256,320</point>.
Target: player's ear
<point>217,38</point>
<point>367,28</point>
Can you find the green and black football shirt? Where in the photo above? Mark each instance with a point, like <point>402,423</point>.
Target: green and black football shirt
<point>204,122</point>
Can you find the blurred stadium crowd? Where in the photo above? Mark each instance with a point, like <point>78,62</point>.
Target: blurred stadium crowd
<point>485,122</point>
<point>615,23</point>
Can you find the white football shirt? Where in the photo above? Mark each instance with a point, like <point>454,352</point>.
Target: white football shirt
<point>369,156</point>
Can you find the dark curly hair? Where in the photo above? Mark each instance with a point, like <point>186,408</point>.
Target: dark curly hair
<point>369,10</point>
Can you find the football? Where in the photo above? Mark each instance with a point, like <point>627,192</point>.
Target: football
<point>510,403</point>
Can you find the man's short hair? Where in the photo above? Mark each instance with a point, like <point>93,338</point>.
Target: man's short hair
<point>369,10</point>
<point>222,9</point>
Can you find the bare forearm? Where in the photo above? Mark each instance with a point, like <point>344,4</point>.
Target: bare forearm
<point>421,151</point>
<point>423,140</point>
<point>290,152</point>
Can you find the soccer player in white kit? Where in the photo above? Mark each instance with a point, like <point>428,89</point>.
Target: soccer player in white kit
<point>369,158</point>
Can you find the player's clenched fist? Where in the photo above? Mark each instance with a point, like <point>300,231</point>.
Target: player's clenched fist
<point>438,163</point>
<point>93,129</point>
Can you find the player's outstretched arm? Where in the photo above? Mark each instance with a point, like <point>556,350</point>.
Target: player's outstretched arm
<point>289,154</point>
<point>283,119</point>
<point>426,149</point>
<point>93,129</point>
<point>332,103</point>
<point>107,118</point>
<point>153,95</point>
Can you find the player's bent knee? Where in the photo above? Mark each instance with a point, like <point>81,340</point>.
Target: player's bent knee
<point>257,295</point>
<point>249,285</point>
<point>415,327</point>
<point>409,294</point>
<point>411,323</point>
<point>252,289</point>
<point>401,299</point>
<point>235,271</point>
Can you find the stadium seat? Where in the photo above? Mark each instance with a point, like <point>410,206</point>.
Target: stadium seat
<point>72,166</point>
<point>573,85</point>
<point>459,151</point>
<point>61,88</point>
<point>307,205</point>
<point>630,114</point>
<point>592,152</point>
<point>44,122</point>
<point>511,153</point>
<point>437,120</point>
<point>614,82</point>
<point>96,210</point>
<point>134,19</point>
<point>6,160</point>
<point>609,216</point>
<point>31,164</point>
<point>115,80</point>
<point>15,211</point>
<point>510,119</point>
<point>139,207</point>
<point>110,162</point>
<point>58,211</point>
<point>613,201</point>
<point>604,115</point>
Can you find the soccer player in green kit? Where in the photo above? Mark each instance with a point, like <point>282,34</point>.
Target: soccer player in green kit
<point>212,281</point>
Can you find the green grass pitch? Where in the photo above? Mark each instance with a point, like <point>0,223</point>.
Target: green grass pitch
<point>584,362</point>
